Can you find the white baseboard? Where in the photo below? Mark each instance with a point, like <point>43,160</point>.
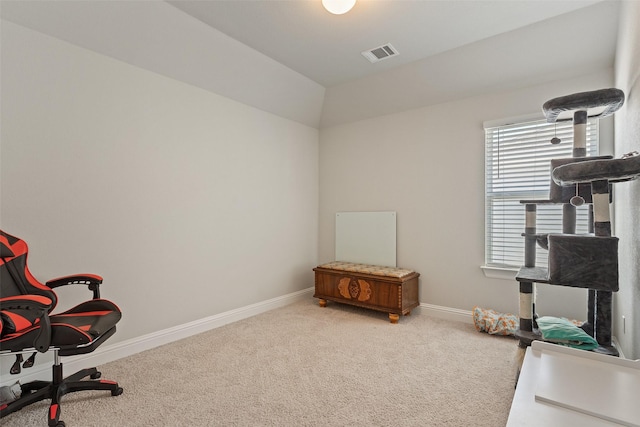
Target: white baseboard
<point>109,353</point>
<point>447,313</point>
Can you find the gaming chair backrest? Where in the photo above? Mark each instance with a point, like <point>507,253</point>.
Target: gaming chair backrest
<point>15,277</point>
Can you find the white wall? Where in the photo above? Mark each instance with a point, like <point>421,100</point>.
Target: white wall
<point>428,165</point>
<point>627,195</point>
<point>188,203</point>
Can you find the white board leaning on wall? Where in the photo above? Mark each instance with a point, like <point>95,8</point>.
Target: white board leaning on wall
<point>366,237</point>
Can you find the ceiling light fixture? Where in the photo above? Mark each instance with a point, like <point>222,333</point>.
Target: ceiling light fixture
<point>338,7</point>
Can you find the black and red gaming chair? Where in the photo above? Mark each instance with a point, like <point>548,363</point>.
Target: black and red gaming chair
<point>27,326</point>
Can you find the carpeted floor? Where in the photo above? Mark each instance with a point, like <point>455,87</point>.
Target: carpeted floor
<point>303,365</point>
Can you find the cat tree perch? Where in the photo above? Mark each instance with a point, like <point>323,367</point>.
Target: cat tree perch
<point>587,261</point>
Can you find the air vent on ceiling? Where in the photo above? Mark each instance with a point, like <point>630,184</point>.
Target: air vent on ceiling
<point>379,53</point>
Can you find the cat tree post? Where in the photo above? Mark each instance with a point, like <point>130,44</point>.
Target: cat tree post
<point>602,227</point>
<point>580,133</point>
<point>579,150</point>
<point>527,289</point>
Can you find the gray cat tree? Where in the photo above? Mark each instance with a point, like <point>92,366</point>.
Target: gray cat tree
<point>587,261</point>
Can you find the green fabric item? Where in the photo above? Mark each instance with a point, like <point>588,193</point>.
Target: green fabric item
<point>562,331</point>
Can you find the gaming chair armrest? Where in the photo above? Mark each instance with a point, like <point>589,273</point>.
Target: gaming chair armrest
<point>93,281</point>
<point>41,305</point>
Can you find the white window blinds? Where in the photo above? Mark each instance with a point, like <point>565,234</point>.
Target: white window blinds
<point>517,167</point>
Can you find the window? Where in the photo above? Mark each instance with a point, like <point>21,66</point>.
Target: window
<point>517,167</point>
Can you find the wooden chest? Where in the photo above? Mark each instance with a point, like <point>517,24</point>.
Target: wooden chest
<point>388,289</point>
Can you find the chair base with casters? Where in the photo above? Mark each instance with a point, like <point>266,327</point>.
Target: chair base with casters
<point>59,386</point>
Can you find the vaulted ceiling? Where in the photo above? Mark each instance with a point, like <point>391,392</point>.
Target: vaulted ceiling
<point>448,49</point>
<point>327,48</point>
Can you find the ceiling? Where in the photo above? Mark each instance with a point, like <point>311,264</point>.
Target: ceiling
<point>294,59</point>
<point>327,48</point>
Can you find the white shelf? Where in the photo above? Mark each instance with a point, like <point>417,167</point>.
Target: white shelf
<point>560,386</point>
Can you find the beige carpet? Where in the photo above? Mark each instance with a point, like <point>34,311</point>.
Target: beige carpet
<point>303,365</point>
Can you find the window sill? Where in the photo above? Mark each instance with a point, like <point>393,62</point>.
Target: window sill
<point>499,273</point>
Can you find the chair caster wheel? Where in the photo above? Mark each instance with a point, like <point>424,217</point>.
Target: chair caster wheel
<point>95,376</point>
<point>117,392</point>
